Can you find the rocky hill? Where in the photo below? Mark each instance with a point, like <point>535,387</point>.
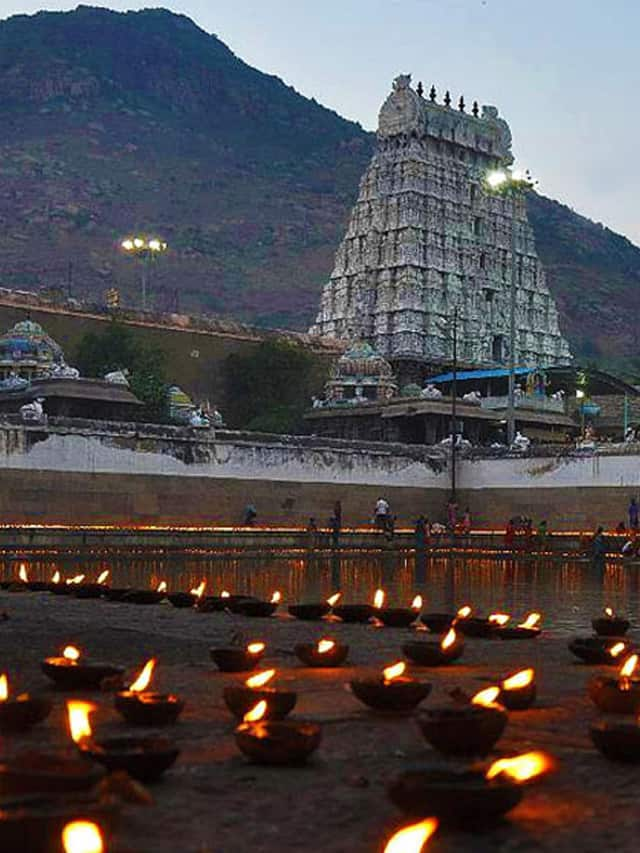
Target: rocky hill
<point>115,122</point>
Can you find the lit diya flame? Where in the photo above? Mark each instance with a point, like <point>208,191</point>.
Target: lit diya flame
<point>393,672</point>
<point>255,648</point>
<point>416,604</point>
<point>256,713</point>
<point>608,612</point>
<point>448,640</point>
<point>56,577</point>
<point>626,671</point>
<point>82,836</point>
<point>4,688</point>
<point>22,573</point>
<point>260,679</point>
<point>71,653</point>
<point>532,621</point>
<point>225,594</point>
<point>412,838</point>
<point>325,646</point>
<point>162,586</point>
<point>464,612</point>
<point>198,591</point>
<point>378,599</point>
<point>487,697</point>
<point>521,768</point>
<point>499,619</point>
<point>617,649</point>
<point>78,716</point>
<point>334,599</point>
<point>75,579</point>
<point>519,680</point>
<point>102,577</point>
<point>276,598</point>
<point>142,681</point>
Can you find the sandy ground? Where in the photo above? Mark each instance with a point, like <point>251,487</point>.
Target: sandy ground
<point>213,801</point>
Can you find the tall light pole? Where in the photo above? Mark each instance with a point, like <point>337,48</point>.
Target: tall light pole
<point>146,249</point>
<point>498,181</point>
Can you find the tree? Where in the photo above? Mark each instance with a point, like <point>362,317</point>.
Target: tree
<point>269,389</point>
<point>117,348</point>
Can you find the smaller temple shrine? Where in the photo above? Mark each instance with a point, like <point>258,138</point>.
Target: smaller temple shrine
<point>360,375</point>
<point>28,352</point>
<point>35,376</point>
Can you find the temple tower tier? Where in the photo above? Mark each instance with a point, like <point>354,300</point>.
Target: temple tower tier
<point>428,237</point>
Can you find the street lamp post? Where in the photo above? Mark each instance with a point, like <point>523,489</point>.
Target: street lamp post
<point>146,249</point>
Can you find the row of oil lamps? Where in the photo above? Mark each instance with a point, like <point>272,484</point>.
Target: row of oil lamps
<point>472,727</point>
<point>495,625</point>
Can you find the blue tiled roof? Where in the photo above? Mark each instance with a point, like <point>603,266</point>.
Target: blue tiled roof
<point>461,375</point>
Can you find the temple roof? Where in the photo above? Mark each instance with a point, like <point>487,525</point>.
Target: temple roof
<point>28,342</point>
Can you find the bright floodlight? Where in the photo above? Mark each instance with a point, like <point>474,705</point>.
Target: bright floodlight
<point>496,178</point>
<point>127,245</point>
<point>157,245</point>
<point>138,242</point>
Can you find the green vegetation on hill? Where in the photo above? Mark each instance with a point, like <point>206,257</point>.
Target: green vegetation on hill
<point>140,121</point>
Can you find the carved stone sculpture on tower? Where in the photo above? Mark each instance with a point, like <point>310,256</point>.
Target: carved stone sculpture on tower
<point>425,237</point>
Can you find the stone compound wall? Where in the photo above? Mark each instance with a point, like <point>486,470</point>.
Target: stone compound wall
<point>126,473</point>
<point>85,473</point>
<point>425,237</point>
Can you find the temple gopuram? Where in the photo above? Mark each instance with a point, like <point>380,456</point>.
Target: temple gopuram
<point>428,237</point>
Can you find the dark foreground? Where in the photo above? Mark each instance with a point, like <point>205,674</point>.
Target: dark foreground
<point>214,802</point>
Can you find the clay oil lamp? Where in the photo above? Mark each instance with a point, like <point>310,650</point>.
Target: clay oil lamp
<point>22,583</point>
<point>618,741</point>
<point>32,586</point>
<point>240,699</point>
<point>68,586</point>
<point>412,839</point>
<point>619,695</point>
<point>314,611</point>
<point>398,617</point>
<point>215,603</point>
<point>188,599</point>
<point>324,653</point>
<point>518,691</point>
<point>432,653</point>
<point>468,796</point>
<point>146,596</point>
<point>391,691</point>
<point>528,630</point>
<point>144,758</point>
<point>259,609</point>
<point>238,658</point>
<point>466,730</point>
<point>36,824</point>
<point>35,773</point>
<point>357,613</point>
<point>55,581</point>
<point>473,626</point>
<point>82,836</point>
<point>599,650</point>
<point>71,671</point>
<point>92,590</point>
<point>142,707</point>
<point>276,742</point>
<point>610,625</point>
<point>438,623</point>
<point>19,714</point>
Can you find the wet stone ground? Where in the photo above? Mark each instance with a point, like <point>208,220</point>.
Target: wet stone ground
<point>213,801</point>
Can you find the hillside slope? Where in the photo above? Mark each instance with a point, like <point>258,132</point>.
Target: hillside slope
<point>117,122</point>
